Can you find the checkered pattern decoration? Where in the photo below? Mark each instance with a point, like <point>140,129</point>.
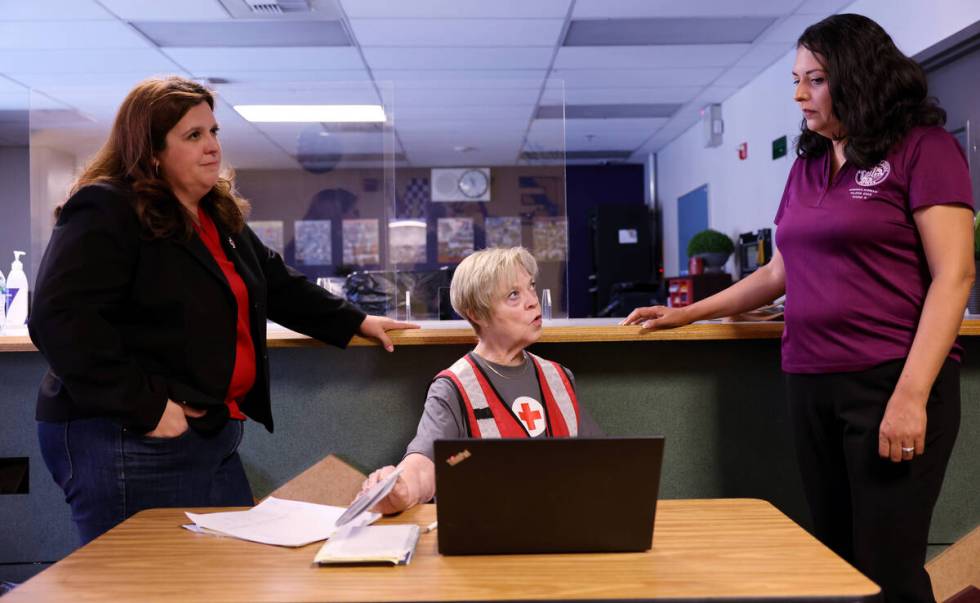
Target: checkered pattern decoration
<point>412,201</point>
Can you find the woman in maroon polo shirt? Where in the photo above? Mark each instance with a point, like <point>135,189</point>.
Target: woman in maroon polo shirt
<point>875,256</point>
<point>151,308</point>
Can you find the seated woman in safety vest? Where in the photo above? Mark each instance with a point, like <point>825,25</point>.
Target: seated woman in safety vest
<point>498,390</point>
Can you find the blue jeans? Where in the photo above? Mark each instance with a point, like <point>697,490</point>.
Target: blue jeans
<point>109,473</point>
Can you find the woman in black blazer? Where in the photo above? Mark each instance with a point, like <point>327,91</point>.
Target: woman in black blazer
<point>151,306</point>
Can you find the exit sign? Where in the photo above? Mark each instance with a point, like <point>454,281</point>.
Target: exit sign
<point>779,147</point>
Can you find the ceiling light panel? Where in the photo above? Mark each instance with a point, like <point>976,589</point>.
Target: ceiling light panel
<point>14,62</point>
<point>312,113</point>
<point>649,57</point>
<point>654,31</point>
<point>244,33</point>
<point>612,9</point>
<point>206,61</point>
<point>456,9</point>
<point>171,10</point>
<point>458,58</point>
<point>457,32</point>
<point>28,35</point>
<point>641,78</point>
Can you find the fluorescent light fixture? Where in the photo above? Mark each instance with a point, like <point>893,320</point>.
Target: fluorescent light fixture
<point>407,223</point>
<point>312,113</point>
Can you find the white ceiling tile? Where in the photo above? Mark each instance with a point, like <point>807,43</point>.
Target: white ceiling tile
<point>20,10</point>
<point>457,32</point>
<point>787,31</point>
<point>287,136</point>
<point>649,57</point>
<point>614,9</point>
<point>713,94</point>
<point>823,8</point>
<point>641,78</point>
<point>458,58</point>
<point>289,76</point>
<point>441,129</point>
<point>737,76</point>
<point>206,61</point>
<point>450,9</point>
<point>11,101</point>
<point>466,97</point>
<point>82,80</point>
<point>7,86</point>
<point>605,134</point>
<point>171,10</point>
<point>68,34</point>
<point>16,62</point>
<point>457,112</point>
<point>451,78</point>
<point>609,96</point>
<point>763,55</point>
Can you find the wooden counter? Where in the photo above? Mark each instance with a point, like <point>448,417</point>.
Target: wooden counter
<point>576,330</point>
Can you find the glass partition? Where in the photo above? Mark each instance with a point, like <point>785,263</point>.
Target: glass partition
<point>379,209</point>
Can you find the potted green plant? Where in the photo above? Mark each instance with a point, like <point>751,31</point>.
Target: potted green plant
<point>713,247</point>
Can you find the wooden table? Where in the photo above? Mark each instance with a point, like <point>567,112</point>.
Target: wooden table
<point>732,549</point>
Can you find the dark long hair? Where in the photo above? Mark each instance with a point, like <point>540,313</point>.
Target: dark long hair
<point>878,93</point>
<point>126,160</point>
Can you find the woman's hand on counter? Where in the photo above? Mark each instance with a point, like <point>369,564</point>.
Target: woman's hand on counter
<point>376,327</point>
<point>657,317</point>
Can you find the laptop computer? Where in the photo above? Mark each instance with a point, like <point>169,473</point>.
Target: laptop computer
<point>568,495</point>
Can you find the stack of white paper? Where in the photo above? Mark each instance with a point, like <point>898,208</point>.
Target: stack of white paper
<point>279,522</point>
<point>370,544</point>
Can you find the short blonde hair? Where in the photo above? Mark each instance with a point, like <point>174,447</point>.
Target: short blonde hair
<point>478,278</point>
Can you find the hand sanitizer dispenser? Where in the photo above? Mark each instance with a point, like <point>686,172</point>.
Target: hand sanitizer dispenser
<point>17,293</point>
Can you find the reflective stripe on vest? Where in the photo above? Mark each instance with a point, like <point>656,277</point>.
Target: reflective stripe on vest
<point>560,388</point>
<point>469,387</point>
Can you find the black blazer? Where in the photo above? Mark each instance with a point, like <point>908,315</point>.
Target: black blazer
<point>126,322</point>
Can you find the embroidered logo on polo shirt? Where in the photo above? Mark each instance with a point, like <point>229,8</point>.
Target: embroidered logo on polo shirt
<point>875,175</point>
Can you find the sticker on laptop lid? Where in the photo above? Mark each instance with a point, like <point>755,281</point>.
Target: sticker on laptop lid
<point>458,458</point>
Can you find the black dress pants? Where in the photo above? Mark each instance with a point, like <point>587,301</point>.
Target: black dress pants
<point>872,512</point>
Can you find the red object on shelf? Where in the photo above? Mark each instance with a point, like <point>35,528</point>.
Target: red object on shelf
<point>743,151</point>
<point>685,290</point>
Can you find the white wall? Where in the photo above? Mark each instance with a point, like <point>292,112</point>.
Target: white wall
<point>743,195</point>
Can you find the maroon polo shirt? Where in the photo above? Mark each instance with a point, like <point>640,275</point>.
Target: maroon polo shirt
<point>856,272</point>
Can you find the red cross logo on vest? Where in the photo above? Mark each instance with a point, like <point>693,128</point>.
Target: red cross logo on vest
<point>531,414</point>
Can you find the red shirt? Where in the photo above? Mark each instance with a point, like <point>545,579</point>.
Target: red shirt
<point>243,375</point>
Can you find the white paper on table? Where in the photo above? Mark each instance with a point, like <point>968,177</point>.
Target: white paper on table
<point>279,522</point>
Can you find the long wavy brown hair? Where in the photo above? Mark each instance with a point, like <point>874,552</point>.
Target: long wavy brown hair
<point>126,160</point>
